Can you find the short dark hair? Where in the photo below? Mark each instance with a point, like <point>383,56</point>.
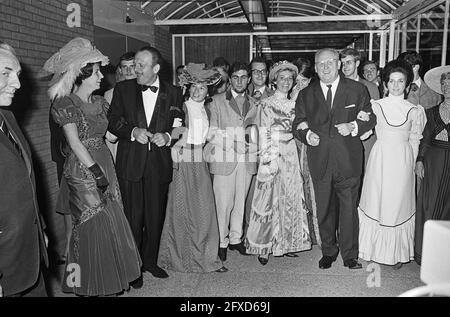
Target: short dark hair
<point>85,72</point>
<point>179,67</point>
<point>398,66</point>
<point>305,67</point>
<point>258,59</point>
<point>157,58</point>
<point>412,58</point>
<point>350,52</point>
<point>237,66</point>
<point>221,62</point>
<point>369,62</point>
<point>128,56</point>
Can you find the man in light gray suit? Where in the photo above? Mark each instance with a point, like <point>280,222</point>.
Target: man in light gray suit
<point>229,156</point>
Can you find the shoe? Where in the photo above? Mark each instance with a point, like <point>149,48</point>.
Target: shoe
<point>223,254</point>
<point>353,264</point>
<point>326,261</point>
<point>138,283</point>
<point>291,255</point>
<point>397,266</point>
<point>157,272</point>
<point>239,247</point>
<point>262,260</point>
<point>223,269</point>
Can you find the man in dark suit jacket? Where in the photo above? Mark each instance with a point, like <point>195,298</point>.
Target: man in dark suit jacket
<point>142,117</point>
<point>22,242</point>
<point>327,120</point>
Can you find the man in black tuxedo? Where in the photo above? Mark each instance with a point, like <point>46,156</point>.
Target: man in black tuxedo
<point>330,116</point>
<point>22,241</point>
<point>142,117</point>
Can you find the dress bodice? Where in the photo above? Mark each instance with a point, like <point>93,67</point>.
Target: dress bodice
<point>280,110</point>
<point>90,118</point>
<point>395,119</point>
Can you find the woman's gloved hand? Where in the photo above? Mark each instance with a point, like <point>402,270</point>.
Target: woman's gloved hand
<point>100,178</point>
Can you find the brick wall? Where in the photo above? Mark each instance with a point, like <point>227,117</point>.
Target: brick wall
<point>37,29</point>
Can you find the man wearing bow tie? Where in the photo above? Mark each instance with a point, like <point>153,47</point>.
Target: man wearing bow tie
<point>419,92</point>
<point>142,117</point>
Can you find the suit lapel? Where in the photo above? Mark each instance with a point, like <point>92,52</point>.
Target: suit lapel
<point>320,97</point>
<point>339,99</point>
<point>161,101</point>
<point>140,113</point>
<point>233,103</point>
<point>14,129</point>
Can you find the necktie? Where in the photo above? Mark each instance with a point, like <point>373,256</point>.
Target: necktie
<point>329,97</point>
<point>5,130</point>
<point>240,102</point>
<point>154,89</point>
<point>414,87</point>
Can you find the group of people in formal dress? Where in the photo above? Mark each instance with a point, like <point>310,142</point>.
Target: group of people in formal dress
<point>264,161</point>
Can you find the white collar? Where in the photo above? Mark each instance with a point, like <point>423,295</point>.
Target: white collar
<point>333,84</point>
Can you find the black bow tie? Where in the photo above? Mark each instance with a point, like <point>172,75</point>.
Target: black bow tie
<point>154,89</point>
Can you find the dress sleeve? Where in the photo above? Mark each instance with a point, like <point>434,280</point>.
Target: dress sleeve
<point>65,112</point>
<point>427,132</point>
<point>418,121</point>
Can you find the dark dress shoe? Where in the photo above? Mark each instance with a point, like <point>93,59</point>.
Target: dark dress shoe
<point>158,272</point>
<point>353,264</point>
<point>262,260</point>
<point>239,247</point>
<point>291,255</point>
<point>326,261</point>
<point>397,266</point>
<point>223,269</point>
<point>223,254</point>
<point>138,283</point>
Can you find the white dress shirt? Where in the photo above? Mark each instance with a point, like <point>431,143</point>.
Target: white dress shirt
<point>149,97</point>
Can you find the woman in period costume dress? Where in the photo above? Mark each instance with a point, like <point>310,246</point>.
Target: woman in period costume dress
<point>278,220</point>
<point>102,248</point>
<point>190,236</point>
<point>305,75</point>
<point>387,207</point>
<point>433,162</point>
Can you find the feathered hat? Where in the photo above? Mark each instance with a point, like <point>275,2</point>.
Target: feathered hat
<point>197,73</point>
<point>66,65</point>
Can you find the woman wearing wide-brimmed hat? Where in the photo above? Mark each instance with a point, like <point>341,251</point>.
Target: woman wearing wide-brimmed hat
<point>102,246</point>
<point>433,161</point>
<point>278,219</point>
<point>190,236</point>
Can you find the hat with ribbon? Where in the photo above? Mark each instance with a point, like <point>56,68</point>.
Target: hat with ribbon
<point>434,76</point>
<point>198,73</point>
<point>66,65</point>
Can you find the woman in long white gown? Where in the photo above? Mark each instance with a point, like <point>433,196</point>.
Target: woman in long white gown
<point>387,206</point>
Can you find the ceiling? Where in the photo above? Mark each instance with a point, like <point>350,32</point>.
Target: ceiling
<point>286,25</point>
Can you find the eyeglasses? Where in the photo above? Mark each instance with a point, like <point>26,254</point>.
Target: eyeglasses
<point>328,62</point>
<point>259,71</point>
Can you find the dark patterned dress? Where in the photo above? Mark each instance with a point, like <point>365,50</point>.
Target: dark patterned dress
<point>433,201</point>
<point>278,218</point>
<point>103,258</point>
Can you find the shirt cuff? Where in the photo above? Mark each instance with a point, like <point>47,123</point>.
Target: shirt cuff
<point>307,136</point>
<point>355,130</point>
<point>132,137</point>
<point>170,139</point>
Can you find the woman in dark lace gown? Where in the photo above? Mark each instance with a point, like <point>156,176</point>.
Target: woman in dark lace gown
<point>433,161</point>
<point>103,258</point>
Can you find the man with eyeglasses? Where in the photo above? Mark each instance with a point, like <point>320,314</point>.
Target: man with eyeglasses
<point>258,88</point>
<point>350,60</point>
<point>259,91</point>
<point>229,159</point>
<point>328,120</point>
